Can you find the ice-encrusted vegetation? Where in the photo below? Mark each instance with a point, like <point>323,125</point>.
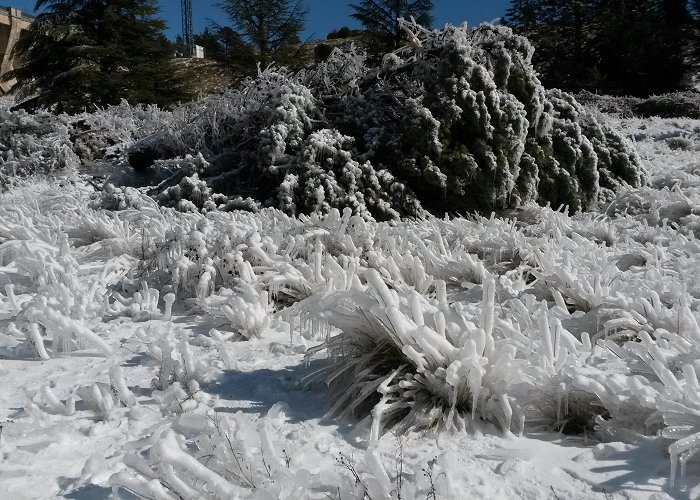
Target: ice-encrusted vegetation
<point>159,341</point>
<point>581,324</point>
<point>455,122</point>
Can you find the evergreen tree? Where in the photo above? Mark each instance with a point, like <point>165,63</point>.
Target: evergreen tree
<point>641,46</point>
<point>225,46</point>
<point>693,34</point>
<point>269,27</point>
<point>566,55</point>
<point>84,53</point>
<point>634,47</point>
<point>381,18</point>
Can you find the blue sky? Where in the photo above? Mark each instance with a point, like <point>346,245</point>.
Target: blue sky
<point>324,15</point>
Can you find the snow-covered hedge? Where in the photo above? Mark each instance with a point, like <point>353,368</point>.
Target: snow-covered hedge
<point>43,144</point>
<point>455,122</point>
<point>33,145</point>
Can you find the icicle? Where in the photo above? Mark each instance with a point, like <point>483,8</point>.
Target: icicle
<point>10,292</point>
<point>557,339</point>
<point>559,300</point>
<point>169,300</point>
<point>54,404</point>
<point>678,449</point>
<point>507,412</point>
<point>34,338</point>
<point>546,334</point>
<point>416,311</point>
<point>441,288</point>
<point>378,411</point>
<point>116,375</point>
<point>373,278</point>
<point>221,347</point>
<point>488,306</point>
<point>440,323</point>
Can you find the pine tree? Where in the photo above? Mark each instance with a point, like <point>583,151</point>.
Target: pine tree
<point>84,53</point>
<point>634,47</point>
<point>269,27</point>
<point>380,18</point>
<point>694,34</point>
<point>225,46</point>
<point>642,45</point>
<point>566,55</point>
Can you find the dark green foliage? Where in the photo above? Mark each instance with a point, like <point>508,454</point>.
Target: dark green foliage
<point>268,27</point>
<point>637,47</point>
<point>84,53</point>
<point>344,32</point>
<point>465,123</point>
<point>225,46</point>
<point>693,33</point>
<point>322,51</point>
<point>380,19</point>
<point>640,49</point>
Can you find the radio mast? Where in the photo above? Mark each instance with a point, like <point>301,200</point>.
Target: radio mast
<point>187,38</point>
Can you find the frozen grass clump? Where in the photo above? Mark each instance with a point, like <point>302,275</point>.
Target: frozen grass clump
<point>212,456</point>
<point>33,144</point>
<point>530,318</point>
<point>405,362</point>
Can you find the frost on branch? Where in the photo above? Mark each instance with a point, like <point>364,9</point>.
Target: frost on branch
<point>461,118</point>
<point>225,458</point>
<point>328,177</point>
<point>406,362</point>
<point>455,122</point>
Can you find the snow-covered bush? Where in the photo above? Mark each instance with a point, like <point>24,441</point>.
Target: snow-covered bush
<point>33,144</point>
<point>620,106</point>
<point>211,456</point>
<point>462,119</point>
<point>246,309</point>
<point>457,121</point>
<point>328,177</point>
<point>676,105</point>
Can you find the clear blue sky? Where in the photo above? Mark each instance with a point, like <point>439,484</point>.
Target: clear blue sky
<point>324,15</point>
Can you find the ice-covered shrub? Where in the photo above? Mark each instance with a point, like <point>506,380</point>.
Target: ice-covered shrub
<point>33,144</point>
<point>44,144</point>
<point>583,323</point>
<point>681,143</point>
<point>245,309</point>
<point>211,456</point>
<point>675,105</point>
<point>328,177</point>
<point>620,106</point>
<point>408,363</point>
<point>177,382</point>
<point>462,119</point>
<point>456,121</point>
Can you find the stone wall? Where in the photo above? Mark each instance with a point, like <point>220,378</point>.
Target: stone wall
<point>12,24</point>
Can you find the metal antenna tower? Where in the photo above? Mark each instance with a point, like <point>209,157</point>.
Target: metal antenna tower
<point>187,38</point>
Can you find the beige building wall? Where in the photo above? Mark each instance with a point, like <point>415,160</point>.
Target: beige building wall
<point>12,23</point>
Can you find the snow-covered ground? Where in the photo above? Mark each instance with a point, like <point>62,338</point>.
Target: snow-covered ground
<point>110,385</point>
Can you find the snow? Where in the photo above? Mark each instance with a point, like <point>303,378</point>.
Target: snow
<point>535,354</point>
